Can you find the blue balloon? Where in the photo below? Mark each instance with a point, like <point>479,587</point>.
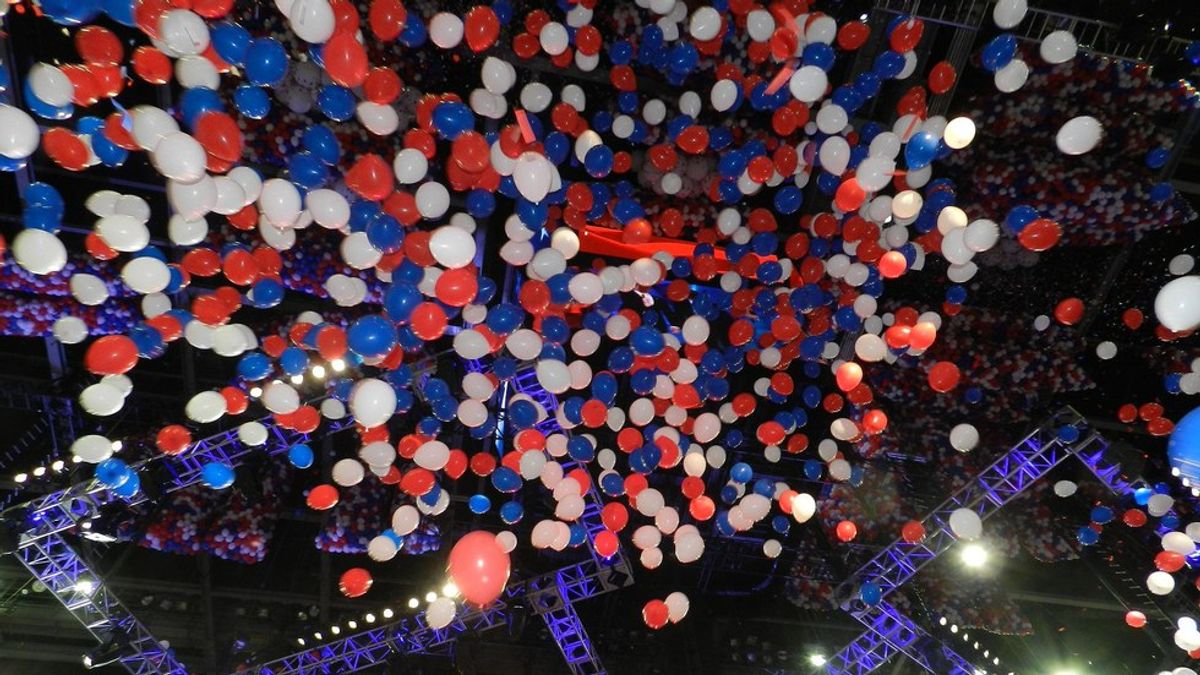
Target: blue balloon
<point>385,233</point>
<point>266,62</point>
<point>371,336</point>
<point>506,480</point>
<point>252,102</point>
<point>110,154</point>
<point>741,472</point>
<point>71,12</point>
<point>267,293</point>
<point>120,11</point>
<point>1161,192</point>
<point>999,52</point>
<point>307,170</point>
<point>598,161</point>
<point>1102,515</point>
<point>870,593</point>
<point>1068,433</point>
<point>512,512</point>
<point>231,42</point>
<point>337,102</point>
<point>920,150</point>
<point>44,110</point>
<point>1087,536</point>
<point>293,360</point>
<point>479,504</point>
<point>300,455</point>
<point>254,366</point>
<point>196,101</point>
<point>129,488</point>
<point>1157,158</point>
<point>113,472</point>
<point>451,119</point>
<point>323,143</point>
<point>216,475</point>
<point>1183,447</point>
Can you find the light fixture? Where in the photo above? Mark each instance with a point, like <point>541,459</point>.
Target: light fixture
<point>85,586</point>
<point>255,392</point>
<point>370,618</point>
<point>942,621</point>
<point>450,590</point>
<point>430,596</point>
<point>388,613</point>
<point>318,371</point>
<point>413,603</point>
<point>117,445</point>
<point>300,641</point>
<point>58,465</point>
<point>338,365</point>
<point>974,556</point>
<point>335,630</point>
<point>954,628</point>
<point>352,624</point>
<point>106,653</point>
<point>297,379</point>
<point>21,478</point>
<point>816,659</point>
<point>317,636</point>
<point>39,472</point>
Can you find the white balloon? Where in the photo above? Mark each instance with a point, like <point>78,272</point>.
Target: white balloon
<point>252,433</point>
<point>1065,488</point>
<point>88,289</point>
<point>808,84</point>
<point>19,134</point>
<point>280,398</point>
<point>705,23</point>
<point>553,38</point>
<point>250,181</point>
<point>358,253</point>
<point>92,448</point>
<point>382,548</point>
<point>1078,135</point>
<point>760,25</point>
<point>966,524</point>
<point>348,472</point>
<point>328,208</point>
<point>39,251</point>
<point>312,20</point>
<point>1181,264</point>
<point>536,97</point>
<point>1177,305</point>
<point>440,613</point>
<point>378,118</point>
<point>1178,542</point>
<point>446,30</point>
<point>70,330</point>
<point>803,507</point>
<point>1008,13</point>
<point>372,402</point>
<point>150,125</point>
<point>677,606</point>
<point>50,84</point>
<point>433,200</point>
<point>964,437</point>
<point>197,72</point>
<point>180,157</point>
<point>1058,47</point>
<point>1012,76</point>
<point>207,406</point>
<point>532,175</point>
<point>405,520</point>
<point>1160,583</point>
<point>192,200</point>
<point>146,275</point>
<point>183,32</point>
<point>1106,350</point>
<point>280,202</point>
<point>231,198</point>
<point>498,76</point>
<point>101,399</point>
<point>959,132</point>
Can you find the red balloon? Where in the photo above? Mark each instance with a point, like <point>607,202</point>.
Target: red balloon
<point>481,28</point>
<point>65,148</point>
<point>370,177</point>
<point>1169,561</point>
<point>355,582</point>
<point>99,45</point>
<point>235,400</point>
<point>111,355</point>
<point>220,136</point>
<point>331,343</point>
<point>892,264</point>
<point>1132,318</point>
<point>173,439</point>
<point>588,40</point>
<point>457,287</point>
<point>875,421</point>
<point>151,65</point>
<point>846,530</point>
<point>922,335</point>
<point>346,60</point>
<point>212,9</point>
<point>1040,235</point>
<point>1134,517</point>
<point>693,140</point>
<point>942,77</point>
<point>479,567</point>
<point>943,376</point>
<point>86,90</point>
<point>382,86</point>
<point>906,35</point>
<point>655,614</point>
<point>702,508</point>
<point>387,18</point>
<point>606,544</point>
<point>1127,413</point>
<point>322,498</point>
<point>850,195</point>
<point>614,516</point>
<point>852,35</point>
<point>428,321</point>
<point>1135,619</point>
<point>1069,311</point>
<point>470,151</point>
<point>913,531</point>
<point>848,375</point>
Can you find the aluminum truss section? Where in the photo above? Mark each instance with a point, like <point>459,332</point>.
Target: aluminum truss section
<point>56,564</point>
<point>889,633</point>
<point>412,636</point>
<point>63,510</point>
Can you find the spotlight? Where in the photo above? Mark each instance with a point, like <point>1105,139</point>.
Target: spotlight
<point>974,556</point>
<point>317,636</point>
<point>942,621</point>
<point>297,379</point>
<point>954,628</point>
<point>335,630</point>
<point>255,392</point>
<point>300,641</point>
<point>39,472</point>
<point>318,372</point>
<point>338,365</point>
<point>388,613</point>
<point>58,465</point>
<point>85,586</point>
<point>117,445</point>
<point>352,624</point>
<point>817,660</point>
<point>450,590</point>
<point>430,596</point>
<point>21,477</point>
<point>107,653</point>
<point>413,603</point>
<point>370,618</point>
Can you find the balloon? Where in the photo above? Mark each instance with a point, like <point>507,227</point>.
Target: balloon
<point>1078,135</point>
<point>19,135</point>
<point>966,524</point>
<point>1008,13</point>
<point>111,355</point>
<point>964,437</point>
<point>655,614</point>
<point>1058,47</point>
<point>92,448</point>
<point>943,376</point>
<point>345,60</point>
<point>372,402</point>
<point>311,20</point>
<point>942,77</point>
<point>1177,305</point>
<point>479,567</point>
<point>356,581</point>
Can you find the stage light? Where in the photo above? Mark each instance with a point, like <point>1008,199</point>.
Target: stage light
<point>317,636</point>
<point>85,586</point>
<point>430,596</point>
<point>39,472</point>
<point>974,556</point>
<point>300,641</point>
<point>954,628</point>
<point>297,379</point>
<point>942,621</point>
<point>58,465</point>
<point>21,477</point>
<point>255,392</point>
<point>388,613</point>
<point>318,372</point>
<point>352,624</point>
<point>338,365</point>
<point>335,630</point>
<point>413,603</point>
<point>450,590</point>
<point>107,653</point>
<point>816,659</point>
<point>369,618</point>
<point>117,445</point>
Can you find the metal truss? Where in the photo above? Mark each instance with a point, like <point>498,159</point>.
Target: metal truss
<point>547,595</point>
<point>888,632</point>
<point>63,510</point>
<point>56,564</point>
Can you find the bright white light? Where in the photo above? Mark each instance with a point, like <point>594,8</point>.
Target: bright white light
<point>430,596</point>
<point>297,379</point>
<point>370,618</point>
<point>816,659</point>
<point>317,635</point>
<point>39,472</point>
<point>85,586</point>
<point>335,630</point>
<point>255,392</point>
<point>21,477</point>
<point>300,641</point>
<point>450,590</point>
<point>318,372</point>
<point>413,603</point>
<point>387,613</point>
<point>974,556</point>
<point>954,628</point>
<point>58,465</point>
<point>117,445</point>
<point>352,624</point>
<point>338,365</point>
<point>942,621</point>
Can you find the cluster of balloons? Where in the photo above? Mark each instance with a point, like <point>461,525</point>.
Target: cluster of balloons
<point>600,389</point>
